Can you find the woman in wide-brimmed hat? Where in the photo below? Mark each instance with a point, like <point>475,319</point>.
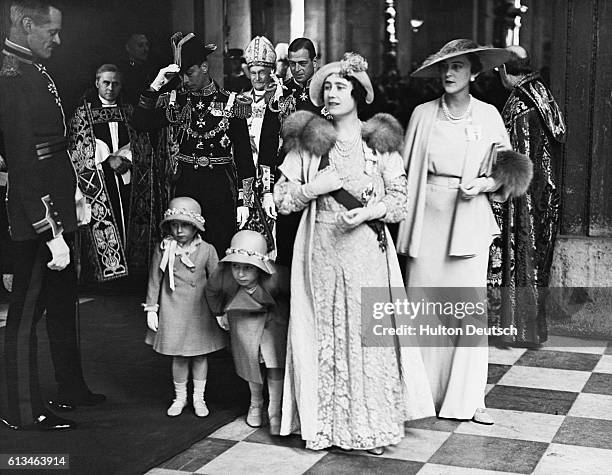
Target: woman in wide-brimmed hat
<point>457,157</point>
<point>349,179</point>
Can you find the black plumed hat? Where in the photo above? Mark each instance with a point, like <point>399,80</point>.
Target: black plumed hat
<point>194,51</point>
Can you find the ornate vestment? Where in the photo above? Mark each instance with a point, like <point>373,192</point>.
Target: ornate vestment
<point>109,236</point>
<point>521,256</point>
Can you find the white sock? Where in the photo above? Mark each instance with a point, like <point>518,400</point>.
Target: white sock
<point>275,390</point>
<point>256,394</point>
<point>198,389</point>
<point>180,390</point>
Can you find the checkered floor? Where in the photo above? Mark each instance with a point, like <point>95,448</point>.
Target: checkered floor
<point>553,413</point>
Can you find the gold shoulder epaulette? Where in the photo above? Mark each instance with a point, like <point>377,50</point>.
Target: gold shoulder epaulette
<point>241,109</point>
<point>10,66</point>
<point>163,100</point>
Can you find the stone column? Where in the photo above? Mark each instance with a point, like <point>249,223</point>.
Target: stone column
<point>239,23</point>
<point>336,30</point>
<point>213,32</point>
<point>315,20</point>
<point>404,36</point>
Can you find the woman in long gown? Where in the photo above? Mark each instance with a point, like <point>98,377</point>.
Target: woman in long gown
<point>338,391</point>
<point>450,224</point>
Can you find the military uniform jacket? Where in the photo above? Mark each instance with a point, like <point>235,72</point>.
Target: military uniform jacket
<point>42,182</point>
<point>208,128</point>
<point>295,97</point>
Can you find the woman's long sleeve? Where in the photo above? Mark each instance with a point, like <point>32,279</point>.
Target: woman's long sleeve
<point>396,191</point>
<point>288,194</point>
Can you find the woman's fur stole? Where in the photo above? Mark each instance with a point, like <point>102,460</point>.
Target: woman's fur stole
<point>306,131</point>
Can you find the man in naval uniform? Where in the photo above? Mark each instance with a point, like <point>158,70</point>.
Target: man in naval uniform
<point>136,70</point>
<point>101,152</point>
<point>43,219</point>
<point>210,151</point>
<point>302,62</point>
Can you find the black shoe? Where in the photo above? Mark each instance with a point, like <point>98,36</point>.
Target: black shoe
<point>8,424</point>
<point>49,421</point>
<point>71,403</point>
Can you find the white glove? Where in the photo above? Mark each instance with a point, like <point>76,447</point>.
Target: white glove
<point>223,322</point>
<point>7,281</point>
<point>242,214</point>
<point>268,205</point>
<point>352,218</point>
<point>83,208</point>
<point>60,253</point>
<point>152,321</point>
<point>325,182</point>
<point>161,77</point>
<point>476,186</point>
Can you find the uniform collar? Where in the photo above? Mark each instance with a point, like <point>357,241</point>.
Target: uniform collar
<point>20,52</point>
<point>207,90</point>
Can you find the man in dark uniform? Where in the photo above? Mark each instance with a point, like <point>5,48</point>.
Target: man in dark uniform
<point>43,219</point>
<point>302,62</point>
<point>209,140</point>
<point>235,79</point>
<point>136,70</point>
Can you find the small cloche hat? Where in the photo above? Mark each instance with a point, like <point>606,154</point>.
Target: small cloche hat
<point>249,247</point>
<point>489,57</point>
<point>352,64</point>
<point>185,209</point>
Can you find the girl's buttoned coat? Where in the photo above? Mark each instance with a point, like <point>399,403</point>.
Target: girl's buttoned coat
<point>186,327</point>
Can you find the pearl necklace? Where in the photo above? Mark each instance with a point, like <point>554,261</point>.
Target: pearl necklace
<point>452,118</point>
<point>348,146</point>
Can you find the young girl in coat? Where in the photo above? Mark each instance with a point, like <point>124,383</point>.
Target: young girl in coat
<point>251,295</point>
<point>179,321</point>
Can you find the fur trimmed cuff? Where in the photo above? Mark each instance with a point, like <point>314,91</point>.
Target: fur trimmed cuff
<point>513,171</point>
<point>383,133</point>
<point>306,131</point>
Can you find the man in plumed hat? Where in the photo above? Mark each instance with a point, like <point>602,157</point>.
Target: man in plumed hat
<point>208,139</point>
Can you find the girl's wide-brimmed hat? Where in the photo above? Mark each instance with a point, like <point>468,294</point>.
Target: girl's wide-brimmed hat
<point>184,209</point>
<point>489,57</point>
<point>249,247</point>
<point>353,65</point>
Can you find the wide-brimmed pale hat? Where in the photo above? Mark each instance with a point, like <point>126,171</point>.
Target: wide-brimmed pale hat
<point>184,209</point>
<point>489,57</point>
<point>353,65</point>
<point>249,247</point>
